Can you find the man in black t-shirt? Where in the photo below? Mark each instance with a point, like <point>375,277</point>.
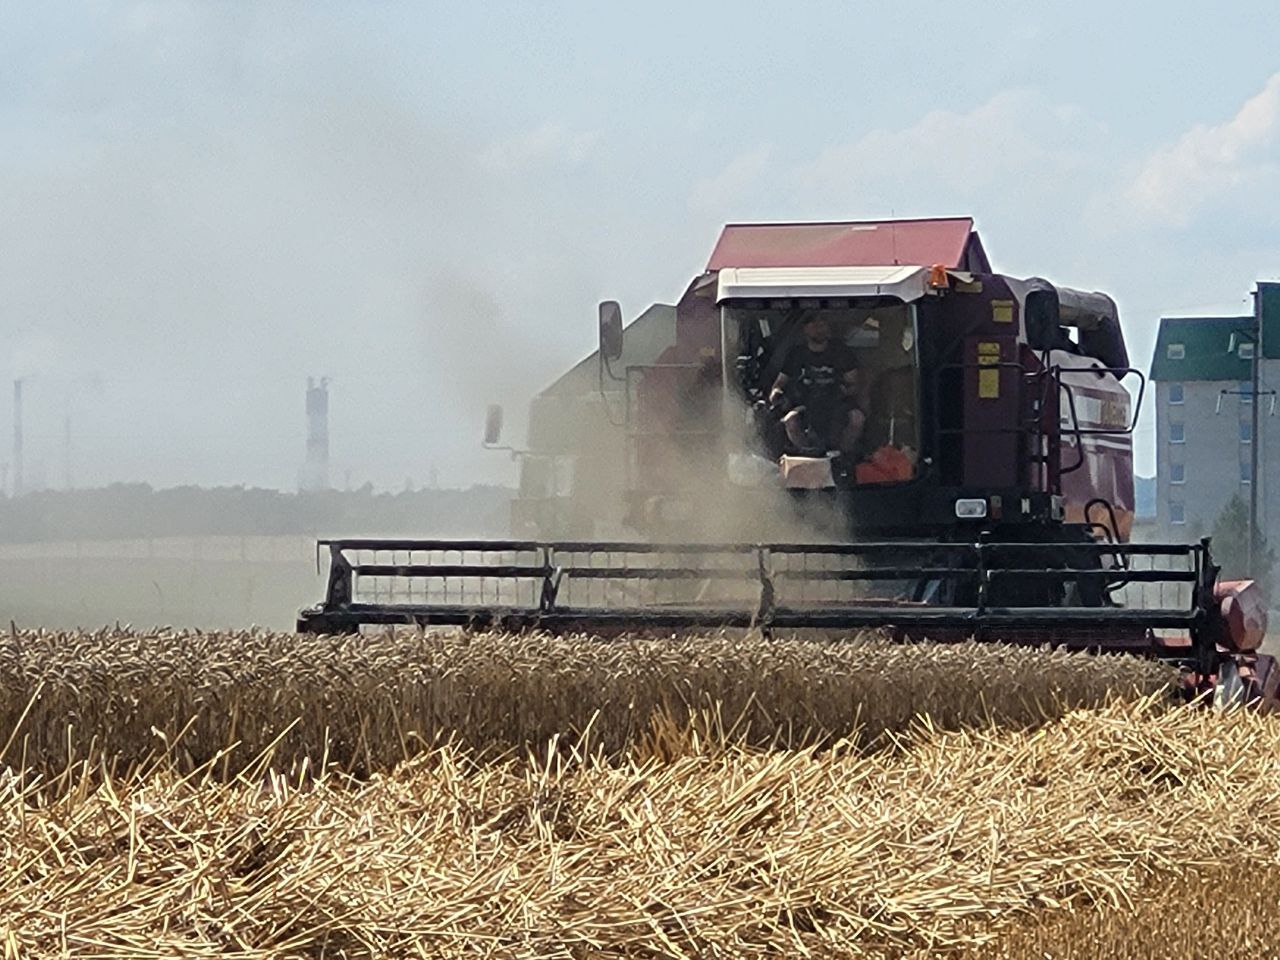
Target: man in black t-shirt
<point>820,379</point>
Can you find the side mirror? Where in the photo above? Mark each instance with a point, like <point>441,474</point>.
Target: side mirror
<point>610,330</point>
<point>493,425</point>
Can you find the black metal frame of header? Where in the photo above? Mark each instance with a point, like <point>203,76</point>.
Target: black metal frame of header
<point>980,564</point>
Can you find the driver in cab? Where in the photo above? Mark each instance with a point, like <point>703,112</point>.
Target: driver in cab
<point>819,381</point>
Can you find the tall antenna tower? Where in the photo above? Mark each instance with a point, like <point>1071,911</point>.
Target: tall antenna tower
<point>315,469</point>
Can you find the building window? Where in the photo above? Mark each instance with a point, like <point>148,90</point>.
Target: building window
<point>1176,351</point>
<point>1177,473</point>
<point>1246,431</point>
<point>1245,389</point>
<point>1177,433</point>
<point>1175,393</point>
<point>1177,512</point>
<point>1246,471</point>
<point>1245,351</point>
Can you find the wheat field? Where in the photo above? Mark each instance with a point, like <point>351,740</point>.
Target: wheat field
<point>366,703</point>
<point>260,795</point>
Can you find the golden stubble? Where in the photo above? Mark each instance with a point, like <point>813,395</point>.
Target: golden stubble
<point>568,797</point>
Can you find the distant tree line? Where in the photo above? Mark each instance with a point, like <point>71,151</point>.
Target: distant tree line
<point>1230,548</point>
<point>136,511</point>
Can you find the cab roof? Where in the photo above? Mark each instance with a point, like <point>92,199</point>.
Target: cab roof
<point>902,283</point>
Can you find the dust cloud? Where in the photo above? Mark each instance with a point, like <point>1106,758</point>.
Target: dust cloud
<point>671,457</point>
<point>752,507</point>
<point>209,204</point>
<point>202,557</point>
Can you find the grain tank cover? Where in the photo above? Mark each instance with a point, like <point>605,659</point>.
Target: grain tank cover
<point>950,241</point>
<point>795,283</point>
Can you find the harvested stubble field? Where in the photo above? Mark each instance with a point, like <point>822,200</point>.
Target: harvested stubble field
<point>539,797</point>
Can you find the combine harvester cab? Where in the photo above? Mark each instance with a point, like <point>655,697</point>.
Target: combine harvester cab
<point>984,487</point>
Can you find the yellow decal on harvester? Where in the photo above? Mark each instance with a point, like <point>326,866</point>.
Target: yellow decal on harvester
<point>1002,311</point>
<point>988,380</point>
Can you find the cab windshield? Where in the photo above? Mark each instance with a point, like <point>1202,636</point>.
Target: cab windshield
<point>865,405</point>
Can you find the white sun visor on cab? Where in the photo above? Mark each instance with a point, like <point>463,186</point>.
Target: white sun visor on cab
<point>794,283</point>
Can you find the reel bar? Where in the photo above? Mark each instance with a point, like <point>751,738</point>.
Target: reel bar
<point>1102,622</point>
<point>476,571</point>
<point>1128,576</point>
<point>900,616</point>
<point>482,572</point>
<point>840,549</point>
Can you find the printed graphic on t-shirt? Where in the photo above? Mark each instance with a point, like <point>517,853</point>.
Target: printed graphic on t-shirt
<point>816,375</point>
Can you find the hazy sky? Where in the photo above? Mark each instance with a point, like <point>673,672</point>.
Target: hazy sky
<point>203,204</point>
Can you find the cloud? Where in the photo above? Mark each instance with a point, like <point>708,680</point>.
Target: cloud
<point>35,353</point>
<point>1207,162</point>
<point>734,182</point>
<point>1018,163</point>
<point>1016,146</point>
<point>548,145</point>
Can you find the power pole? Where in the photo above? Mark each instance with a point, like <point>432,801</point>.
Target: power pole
<point>66,452</point>
<point>1253,433</point>
<point>17,436</point>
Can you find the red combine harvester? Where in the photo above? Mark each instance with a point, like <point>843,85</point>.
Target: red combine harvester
<point>972,477</point>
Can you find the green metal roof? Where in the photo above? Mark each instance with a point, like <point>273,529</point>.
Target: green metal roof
<point>1206,352</point>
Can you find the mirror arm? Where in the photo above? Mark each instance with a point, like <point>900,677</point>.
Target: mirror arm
<point>607,367</point>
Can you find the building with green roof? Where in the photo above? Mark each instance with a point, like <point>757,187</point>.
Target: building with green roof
<point>1203,348</point>
<point>1202,372</point>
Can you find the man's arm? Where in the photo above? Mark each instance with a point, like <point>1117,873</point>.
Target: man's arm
<point>849,379</point>
<point>778,389</point>
<point>849,382</point>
